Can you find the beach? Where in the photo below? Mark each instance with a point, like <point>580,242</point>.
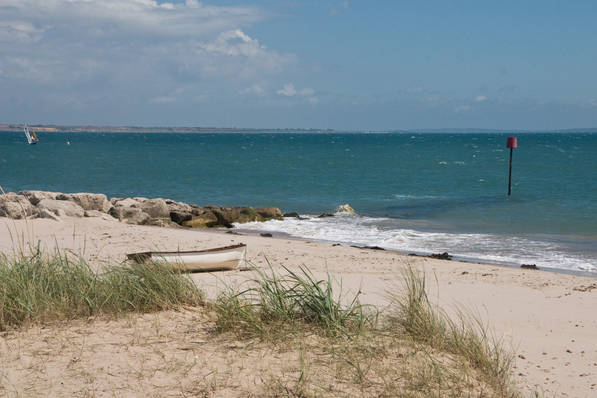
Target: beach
<point>547,318</point>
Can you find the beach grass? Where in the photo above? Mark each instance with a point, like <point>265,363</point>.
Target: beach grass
<point>341,347</point>
<point>412,349</point>
<point>274,305</point>
<point>43,288</point>
<point>465,335</point>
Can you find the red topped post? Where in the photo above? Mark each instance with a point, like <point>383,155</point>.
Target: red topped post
<point>511,143</point>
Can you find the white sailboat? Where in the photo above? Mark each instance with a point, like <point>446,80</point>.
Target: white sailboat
<point>31,138</point>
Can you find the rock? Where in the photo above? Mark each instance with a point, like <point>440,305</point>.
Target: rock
<point>130,215</point>
<point>88,201</point>
<point>97,213</point>
<point>207,220</point>
<point>294,214</point>
<point>248,214</point>
<point>36,196</point>
<point>345,209</point>
<point>325,215</point>
<point>156,208</point>
<point>180,207</point>
<point>44,213</point>
<point>226,215</point>
<point>61,207</point>
<point>126,202</point>
<point>529,266</point>
<point>269,212</point>
<point>266,235</point>
<point>162,222</point>
<point>16,206</point>
<point>441,256</point>
<point>180,217</point>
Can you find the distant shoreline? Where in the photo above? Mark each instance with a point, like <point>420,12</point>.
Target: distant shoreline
<point>50,128</point>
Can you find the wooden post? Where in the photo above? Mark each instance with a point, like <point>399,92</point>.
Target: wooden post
<point>510,173</point>
<point>511,143</point>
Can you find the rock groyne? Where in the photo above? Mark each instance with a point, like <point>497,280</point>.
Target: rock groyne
<point>137,210</point>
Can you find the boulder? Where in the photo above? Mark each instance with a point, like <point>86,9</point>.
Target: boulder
<point>248,214</point>
<point>226,215</point>
<point>126,202</point>
<point>207,220</point>
<point>294,214</point>
<point>180,217</point>
<point>345,209</point>
<point>36,196</point>
<point>88,201</point>
<point>269,212</point>
<point>48,214</point>
<point>162,222</point>
<point>156,208</point>
<point>130,215</point>
<point>16,206</point>
<point>59,207</point>
<point>97,213</point>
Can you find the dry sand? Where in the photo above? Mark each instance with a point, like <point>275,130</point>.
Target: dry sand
<point>548,318</point>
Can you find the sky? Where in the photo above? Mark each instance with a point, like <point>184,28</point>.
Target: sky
<point>355,65</point>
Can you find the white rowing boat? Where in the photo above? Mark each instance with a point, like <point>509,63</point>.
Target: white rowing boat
<point>221,258</point>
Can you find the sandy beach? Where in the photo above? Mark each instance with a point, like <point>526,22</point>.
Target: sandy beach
<point>547,318</point>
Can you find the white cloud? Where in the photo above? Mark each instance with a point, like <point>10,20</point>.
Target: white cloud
<point>255,89</point>
<point>134,50</point>
<point>288,90</point>
<point>463,108</point>
<point>480,98</point>
<point>314,100</point>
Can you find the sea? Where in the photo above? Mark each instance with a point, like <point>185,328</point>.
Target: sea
<point>421,193</point>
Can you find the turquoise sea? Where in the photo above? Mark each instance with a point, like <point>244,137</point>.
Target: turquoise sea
<point>414,192</point>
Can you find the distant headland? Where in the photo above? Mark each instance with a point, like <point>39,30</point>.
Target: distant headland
<point>52,128</point>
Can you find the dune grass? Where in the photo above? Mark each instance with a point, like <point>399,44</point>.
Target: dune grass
<point>41,288</point>
<point>277,304</point>
<point>414,316</point>
<point>414,347</point>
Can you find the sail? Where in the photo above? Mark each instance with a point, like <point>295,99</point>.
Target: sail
<point>31,139</point>
<point>28,135</point>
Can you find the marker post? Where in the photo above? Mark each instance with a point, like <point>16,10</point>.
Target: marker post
<point>511,143</point>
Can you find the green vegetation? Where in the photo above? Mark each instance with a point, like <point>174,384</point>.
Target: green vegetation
<point>414,316</point>
<point>341,347</point>
<point>277,305</point>
<point>46,288</point>
<point>415,350</point>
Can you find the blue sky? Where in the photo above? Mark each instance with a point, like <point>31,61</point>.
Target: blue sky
<point>370,65</point>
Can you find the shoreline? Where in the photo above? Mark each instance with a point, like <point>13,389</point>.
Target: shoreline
<point>462,259</point>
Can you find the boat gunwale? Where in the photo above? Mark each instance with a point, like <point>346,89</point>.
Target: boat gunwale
<point>143,256</point>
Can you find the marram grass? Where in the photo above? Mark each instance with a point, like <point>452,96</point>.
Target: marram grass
<point>415,317</point>
<point>44,288</point>
<point>279,303</point>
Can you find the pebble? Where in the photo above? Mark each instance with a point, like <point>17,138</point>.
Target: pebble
<point>569,351</point>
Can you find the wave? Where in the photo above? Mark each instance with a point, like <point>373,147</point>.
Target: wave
<point>387,233</point>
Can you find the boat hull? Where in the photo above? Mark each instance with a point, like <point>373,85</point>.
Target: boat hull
<point>223,258</point>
